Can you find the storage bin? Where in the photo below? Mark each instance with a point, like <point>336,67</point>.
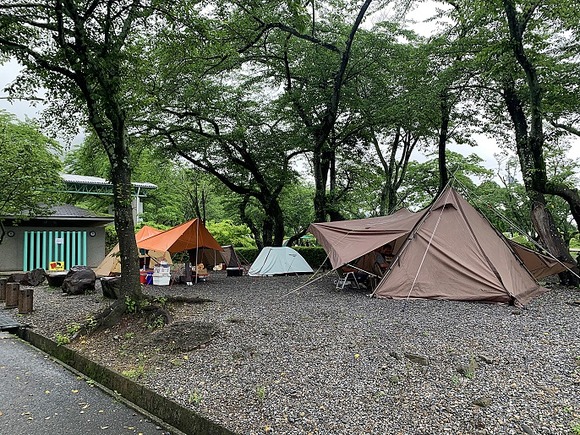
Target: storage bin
<point>160,279</point>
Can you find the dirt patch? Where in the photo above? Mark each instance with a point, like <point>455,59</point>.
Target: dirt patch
<point>183,336</point>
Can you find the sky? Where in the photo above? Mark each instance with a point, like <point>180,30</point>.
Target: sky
<point>485,149</point>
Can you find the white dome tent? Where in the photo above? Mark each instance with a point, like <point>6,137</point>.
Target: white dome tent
<point>279,261</point>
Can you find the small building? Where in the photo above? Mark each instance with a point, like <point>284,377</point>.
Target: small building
<point>68,234</point>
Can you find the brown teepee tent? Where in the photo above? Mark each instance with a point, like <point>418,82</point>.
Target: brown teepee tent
<point>448,251</point>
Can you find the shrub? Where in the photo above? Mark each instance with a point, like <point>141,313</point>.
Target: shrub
<point>315,256</point>
<point>247,254</point>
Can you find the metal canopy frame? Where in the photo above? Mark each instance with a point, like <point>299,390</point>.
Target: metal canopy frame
<point>139,189</point>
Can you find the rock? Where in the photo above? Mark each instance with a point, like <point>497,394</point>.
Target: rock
<point>17,277</point>
<point>527,429</point>
<point>465,370</point>
<point>79,280</point>
<point>483,402</point>
<point>395,355</point>
<point>34,277</point>
<point>417,359</point>
<point>486,359</point>
<point>110,286</point>
<point>55,279</point>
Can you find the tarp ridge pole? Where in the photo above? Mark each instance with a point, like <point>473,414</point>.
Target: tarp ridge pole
<point>196,248</point>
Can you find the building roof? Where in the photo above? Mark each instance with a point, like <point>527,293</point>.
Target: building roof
<point>98,181</point>
<point>64,212</point>
<point>67,211</point>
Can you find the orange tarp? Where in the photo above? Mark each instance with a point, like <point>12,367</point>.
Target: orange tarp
<point>189,235</point>
<point>112,263</point>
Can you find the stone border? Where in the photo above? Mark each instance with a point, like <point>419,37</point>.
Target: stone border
<point>166,410</point>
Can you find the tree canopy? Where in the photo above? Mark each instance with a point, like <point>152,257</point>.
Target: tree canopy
<point>29,170</point>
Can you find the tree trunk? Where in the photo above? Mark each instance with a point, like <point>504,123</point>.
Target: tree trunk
<point>321,158</point>
<point>320,178</point>
<point>542,219</point>
<point>530,144</point>
<point>277,216</point>
<point>551,239</point>
<point>121,179</point>
<point>443,136</point>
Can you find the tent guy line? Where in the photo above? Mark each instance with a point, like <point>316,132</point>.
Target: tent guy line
<point>514,226</point>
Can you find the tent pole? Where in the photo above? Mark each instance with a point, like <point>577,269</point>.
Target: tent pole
<point>196,247</point>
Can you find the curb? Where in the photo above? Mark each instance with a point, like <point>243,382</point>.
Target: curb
<point>164,409</point>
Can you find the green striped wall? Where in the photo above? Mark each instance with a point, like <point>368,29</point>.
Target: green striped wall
<point>43,247</point>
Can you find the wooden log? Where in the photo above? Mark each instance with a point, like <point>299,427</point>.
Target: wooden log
<point>25,300</point>
<point>3,282</point>
<point>12,289</point>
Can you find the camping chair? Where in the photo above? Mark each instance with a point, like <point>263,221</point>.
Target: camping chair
<point>344,279</point>
<point>347,276</point>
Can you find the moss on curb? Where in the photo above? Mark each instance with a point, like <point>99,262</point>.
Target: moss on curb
<point>165,409</point>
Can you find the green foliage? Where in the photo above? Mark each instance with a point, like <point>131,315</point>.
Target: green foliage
<point>131,304</point>
<point>195,398</point>
<point>228,233</point>
<point>315,256</point>
<point>422,182</point>
<point>261,392</point>
<point>247,254</point>
<point>61,339</point>
<point>134,373</point>
<point>522,240</point>
<point>29,170</point>
<point>156,322</point>
<point>135,305</point>
<point>73,328</point>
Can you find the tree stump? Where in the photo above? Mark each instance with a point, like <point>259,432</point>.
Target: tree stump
<point>12,289</point>
<point>25,298</point>
<point>111,287</point>
<point>3,282</point>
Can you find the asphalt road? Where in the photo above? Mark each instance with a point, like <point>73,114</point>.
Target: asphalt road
<point>39,396</point>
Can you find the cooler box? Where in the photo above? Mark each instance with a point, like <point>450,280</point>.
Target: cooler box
<point>161,278</point>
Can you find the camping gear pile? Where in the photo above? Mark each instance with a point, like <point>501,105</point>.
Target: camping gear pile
<point>156,247</point>
<point>447,251</point>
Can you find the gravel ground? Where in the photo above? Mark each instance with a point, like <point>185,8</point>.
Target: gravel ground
<point>266,357</point>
